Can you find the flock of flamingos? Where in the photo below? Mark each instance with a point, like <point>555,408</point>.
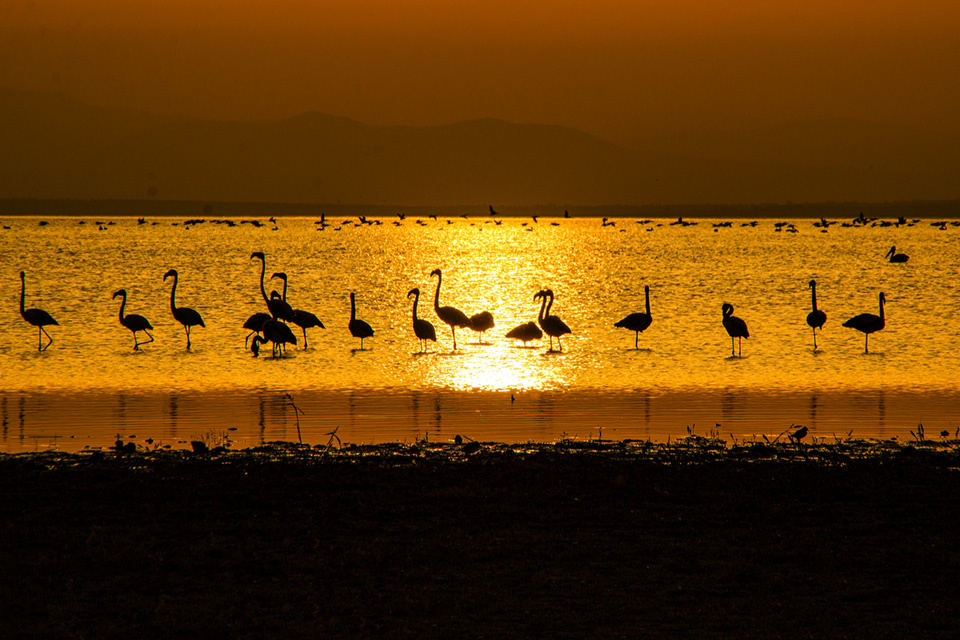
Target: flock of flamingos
<point>273,327</point>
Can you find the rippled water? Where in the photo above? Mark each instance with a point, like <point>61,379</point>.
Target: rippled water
<point>596,272</point>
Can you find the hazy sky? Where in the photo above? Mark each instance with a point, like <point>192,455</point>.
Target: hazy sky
<point>621,69</point>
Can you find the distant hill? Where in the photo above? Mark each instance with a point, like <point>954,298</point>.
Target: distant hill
<point>52,147</point>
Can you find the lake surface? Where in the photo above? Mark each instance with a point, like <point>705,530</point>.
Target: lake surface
<point>90,385</point>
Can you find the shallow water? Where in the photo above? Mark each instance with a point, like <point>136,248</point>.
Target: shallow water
<point>683,372</point>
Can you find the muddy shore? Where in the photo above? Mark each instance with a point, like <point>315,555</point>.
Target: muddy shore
<point>575,539</point>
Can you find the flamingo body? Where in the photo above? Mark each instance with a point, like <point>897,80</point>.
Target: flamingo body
<point>254,324</point>
<point>276,332</point>
<point>868,323</point>
<point>552,325</point>
<point>423,329</point>
<point>358,328</point>
<point>482,321</point>
<point>526,332</point>
<point>736,328</point>
<point>184,315</point>
<point>637,321</point>
<point>133,321</point>
<point>37,317</point>
<point>451,316</point>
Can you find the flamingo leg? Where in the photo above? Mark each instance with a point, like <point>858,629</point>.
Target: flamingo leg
<point>636,340</point>
<point>304,338</point>
<point>48,338</point>
<point>814,339</point>
<point>187,329</point>
<point>733,346</point>
<point>866,340</point>
<point>453,330</point>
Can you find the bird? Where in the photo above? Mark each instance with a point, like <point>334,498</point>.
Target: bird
<point>299,317</point>
<point>37,317</point>
<point>278,310</point>
<point>553,326</point>
<point>276,332</point>
<point>255,323</point>
<point>736,327</point>
<point>798,435</point>
<point>896,257</point>
<point>481,322</point>
<point>815,318</point>
<point>184,315</point>
<point>526,332</point>
<point>423,329</point>
<point>358,328</point>
<point>637,321</point>
<point>133,321</point>
<point>868,323</point>
<point>450,315</point>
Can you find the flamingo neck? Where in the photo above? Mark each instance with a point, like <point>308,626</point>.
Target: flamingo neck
<point>549,306</point>
<point>416,299</point>
<point>284,289</point>
<point>263,273</point>
<point>881,310</point>
<point>353,308</point>
<point>173,295</point>
<point>543,306</point>
<point>647,294</point>
<point>813,293</point>
<point>23,295</point>
<point>436,297</point>
<point>123,303</point>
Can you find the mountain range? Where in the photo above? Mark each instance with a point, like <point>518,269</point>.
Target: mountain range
<point>52,147</point>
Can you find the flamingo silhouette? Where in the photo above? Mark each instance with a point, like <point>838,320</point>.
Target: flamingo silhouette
<point>736,328</point>
<point>868,323</point>
<point>552,325</point>
<point>481,322</point>
<point>254,324</point>
<point>526,332</point>
<point>133,321</point>
<point>299,317</point>
<point>279,309</point>
<point>896,257</point>
<point>276,332</point>
<point>637,321</point>
<point>450,315</point>
<point>358,328</point>
<point>815,318</point>
<point>37,317</point>
<point>423,329</point>
<point>184,315</point>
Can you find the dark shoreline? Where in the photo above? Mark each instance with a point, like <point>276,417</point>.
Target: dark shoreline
<point>27,207</point>
<point>574,539</point>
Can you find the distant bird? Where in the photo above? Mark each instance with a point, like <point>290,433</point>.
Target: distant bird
<point>736,328</point>
<point>37,317</point>
<point>896,257</point>
<point>133,321</point>
<point>815,318</point>
<point>423,329</point>
<point>868,323</point>
<point>526,332</point>
<point>277,309</point>
<point>303,319</point>
<point>184,315</point>
<point>553,326</point>
<point>449,315</point>
<point>637,321</point>
<point>254,324</point>
<point>276,332</point>
<point>358,328</point>
<point>481,322</point>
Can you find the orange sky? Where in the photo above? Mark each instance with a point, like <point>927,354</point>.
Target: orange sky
<point>617,68</point>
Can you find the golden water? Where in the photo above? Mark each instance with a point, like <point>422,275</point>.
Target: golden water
<point>90,385</point>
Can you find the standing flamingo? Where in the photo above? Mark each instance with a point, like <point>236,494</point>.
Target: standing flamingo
<point>299,317</point>
<point>254,324</point>
<point>481,322</point>
<point>358,328</point>
<point>868,323</point>
<point>815,318</point>
<point>552,325</point>
<point>735,327</point>
<point>423,329</point>
<point>450,315</point>
<point>896,257</point>
<point>637,321</point>
<point>184,315</point>
<point>133,321</point>
<point>276,332</point>
<point>526,332</point>
<point>37,317</point>
<point>278,310</point>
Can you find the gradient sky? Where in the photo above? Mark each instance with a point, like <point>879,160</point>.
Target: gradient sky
<point>620,69</point>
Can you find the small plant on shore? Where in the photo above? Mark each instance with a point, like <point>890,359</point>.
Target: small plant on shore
<point>296,412</point>
<point>333,436</point>
<point>919,434</point>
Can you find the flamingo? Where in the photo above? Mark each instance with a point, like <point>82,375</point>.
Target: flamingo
<point>526,332</point>
<point>422,328</point>
<point>358,328</point>
<point>254,324</point>
<point>736,327</point>
<point>184,315</point>
<point>481,322</point>
<point>815,318</point>
<point>133,321</point>
<point>450,315</point>
<point>637,321</point>
<point>896,257</point>
<point>276,332</point>
<point>37,317</point>
<point>553,326</point>
<point>868,323</point>
<point>278,310</point>
<point>299,317</point>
